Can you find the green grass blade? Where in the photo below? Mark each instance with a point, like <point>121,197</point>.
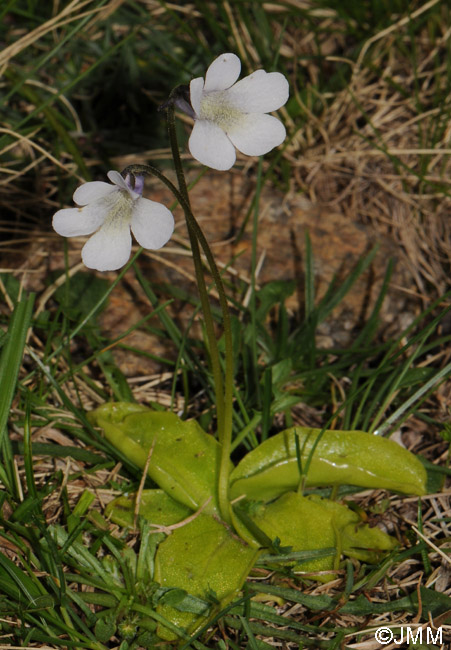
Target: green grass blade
<point>12,354</point>
<point>309,282</point>
<point>10,361</point>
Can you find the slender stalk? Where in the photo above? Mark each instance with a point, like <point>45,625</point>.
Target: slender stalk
<point>203,292</point>
<point>193,229</point>
<point>252,303</point>
<point>223,390</point>
<point>224,427</point>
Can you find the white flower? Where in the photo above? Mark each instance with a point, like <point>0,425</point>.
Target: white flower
<point>229,114</point>
<point>111,211</point>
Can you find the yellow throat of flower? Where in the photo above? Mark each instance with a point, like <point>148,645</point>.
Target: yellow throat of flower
<point>215,108</point>
<point>120,209</point>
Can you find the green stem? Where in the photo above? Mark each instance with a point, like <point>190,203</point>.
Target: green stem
<point>203,292</point>
<point>223,391</point>
<point>253,300</point>
<point>225,423</point>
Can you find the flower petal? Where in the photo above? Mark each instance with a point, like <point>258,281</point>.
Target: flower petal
<point>210,146</point>
<point>222,73</point>
<point>196,88</point>
<point>255,134</point>
<point>152,224</point>
<point>92,191</point>
<point>260,92</point>
<point>73,222</point>
<point>118,180</point>
<point>108,249</point>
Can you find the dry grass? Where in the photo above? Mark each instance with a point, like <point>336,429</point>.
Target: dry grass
<point>370,151</point>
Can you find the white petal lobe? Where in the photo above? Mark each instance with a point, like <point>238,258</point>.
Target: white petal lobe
<point>93,191</point>
<point>121,184</point>
<point>117,179</point>
<point>196,88</point>
<point>209,145</point>
<point>152,224</point>
<point>222,73</point>
<point>260,92</point>
<point>73,222</point>
<point>256,134</point>
<point>108,249</point>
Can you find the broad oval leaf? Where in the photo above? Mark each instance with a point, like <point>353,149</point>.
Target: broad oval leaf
<point>206,560</point>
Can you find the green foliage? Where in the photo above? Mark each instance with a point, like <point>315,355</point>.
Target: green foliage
<point>13,344</point>
<point>113,581</point>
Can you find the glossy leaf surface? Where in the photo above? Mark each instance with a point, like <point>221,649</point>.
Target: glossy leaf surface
<point>184,460</point>
<point>340,458</point>
<point>309,523</point>
<point>154,505</point>
<point>206,560</point>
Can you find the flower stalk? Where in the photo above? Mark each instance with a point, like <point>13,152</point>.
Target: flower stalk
<point>223,388</point>
<point>224,426</point>
<point>225,414</point>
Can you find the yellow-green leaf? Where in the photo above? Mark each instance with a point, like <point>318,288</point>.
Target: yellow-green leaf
<point>340,458</point>
<point>312,523</point>
<point>206,560</point>
<point>155,505</point>
<point>184,460</point>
